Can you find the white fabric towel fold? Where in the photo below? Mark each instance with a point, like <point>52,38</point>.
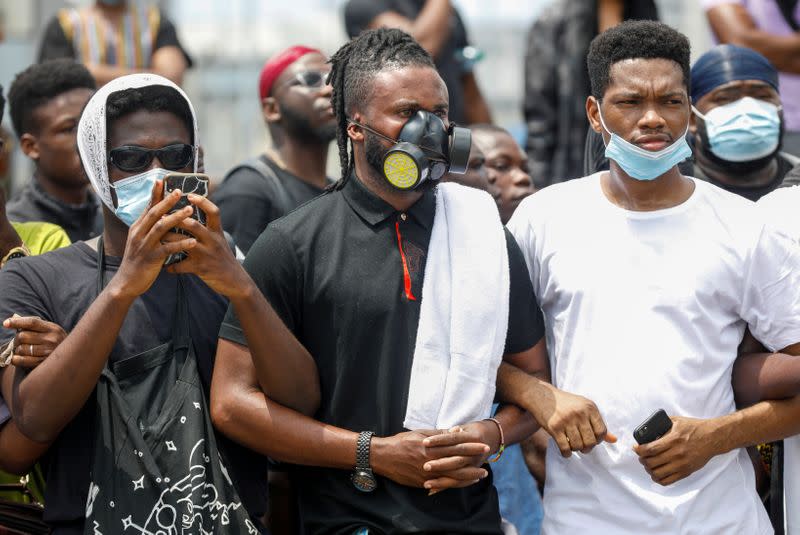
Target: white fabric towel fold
<point>463,314</point>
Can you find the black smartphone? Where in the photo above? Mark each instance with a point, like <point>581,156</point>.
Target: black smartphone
<point>195,183</point>
<point>653,428</point>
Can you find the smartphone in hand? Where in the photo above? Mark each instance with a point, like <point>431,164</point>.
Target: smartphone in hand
<point>195,183</point>
<point>655,427</point>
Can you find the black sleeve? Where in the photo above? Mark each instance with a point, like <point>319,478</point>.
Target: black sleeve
<point>168,36</point>
<point>525,321</point>
<point>359,13</point>
<point>54,43</point>
<point>245,206</point>
<point>272,264</point>
<point>21,294</point>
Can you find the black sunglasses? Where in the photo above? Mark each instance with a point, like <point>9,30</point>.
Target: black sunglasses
<point>308,79</point>
<point>172,157</point>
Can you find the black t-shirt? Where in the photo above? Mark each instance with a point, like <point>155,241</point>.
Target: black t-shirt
<point>333,271</point>
<point>80,222</point>
<point>56,45</point>
<point>248,201</point>
<point>358,14</point>
<point>59,287</point>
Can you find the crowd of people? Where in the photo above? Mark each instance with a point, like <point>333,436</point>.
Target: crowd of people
<point>424,343</point>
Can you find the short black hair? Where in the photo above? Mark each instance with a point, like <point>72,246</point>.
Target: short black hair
<point>631,40</point>
<point>152,98</point>
<point>39,84</point>
<point>353,67</point>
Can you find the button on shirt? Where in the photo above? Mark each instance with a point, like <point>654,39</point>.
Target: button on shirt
<point>345,273</point>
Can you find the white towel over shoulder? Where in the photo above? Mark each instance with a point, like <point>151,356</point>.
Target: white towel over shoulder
<point>463,314</point>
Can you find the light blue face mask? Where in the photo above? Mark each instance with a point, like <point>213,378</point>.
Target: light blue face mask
<point>643,164</point>
<point>134,192</point>
<point>744,130</point>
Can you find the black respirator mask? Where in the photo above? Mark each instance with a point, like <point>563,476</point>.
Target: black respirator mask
<point>424,150</point>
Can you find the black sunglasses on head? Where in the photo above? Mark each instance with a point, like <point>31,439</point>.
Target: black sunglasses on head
<point>131,158</point>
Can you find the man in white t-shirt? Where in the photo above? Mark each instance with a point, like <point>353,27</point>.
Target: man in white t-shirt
<point>782,208</point>
<point>648,280</point>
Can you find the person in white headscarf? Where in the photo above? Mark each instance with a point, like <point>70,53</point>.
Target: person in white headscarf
<point>119,304</point>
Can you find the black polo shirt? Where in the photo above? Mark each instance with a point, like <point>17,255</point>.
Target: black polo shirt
<point>335,272</point>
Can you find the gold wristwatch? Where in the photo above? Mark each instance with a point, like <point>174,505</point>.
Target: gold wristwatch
<point>16,252</point>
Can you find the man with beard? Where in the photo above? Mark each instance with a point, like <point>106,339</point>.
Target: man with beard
<point>45,102</point>
<point>362,275</point>
<point>295,101</point>
<point>738,122</point>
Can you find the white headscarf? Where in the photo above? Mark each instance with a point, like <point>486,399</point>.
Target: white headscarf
<point>92,129</point>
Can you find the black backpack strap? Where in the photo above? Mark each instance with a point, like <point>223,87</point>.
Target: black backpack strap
<point>787,8</point>
<point>258,165</point>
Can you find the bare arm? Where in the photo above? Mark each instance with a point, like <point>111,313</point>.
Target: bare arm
<point>286,371</point>
<point>693,442</point>
<point>732,23</point>
<point>17,452</point>
<point>573,421</point>
<point>8,236</point>
<point>240,410</point>
<point>430,28</point>
<point>71,372</point>
<point>168,61</point>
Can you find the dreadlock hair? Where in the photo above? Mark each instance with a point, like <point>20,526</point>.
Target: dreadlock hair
<point>39,84</point>
<point>352,68</point>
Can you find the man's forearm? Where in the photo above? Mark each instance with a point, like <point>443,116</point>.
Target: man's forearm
<point>521,388</point>
<point>517,424</point>
<point>761,376</point>
<point>248,416</point>
<point>50,396</point>
<point>286,371</point>
<point>766,421</point>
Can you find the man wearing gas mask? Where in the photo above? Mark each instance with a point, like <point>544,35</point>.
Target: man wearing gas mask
<point>408,295</point>
<point>738,122</point>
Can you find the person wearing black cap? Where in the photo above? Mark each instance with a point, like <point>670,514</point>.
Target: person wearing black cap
<point>738,122</point>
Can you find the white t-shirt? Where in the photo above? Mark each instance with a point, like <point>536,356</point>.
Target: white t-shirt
<point>782,208</point>
<point>645,310</point>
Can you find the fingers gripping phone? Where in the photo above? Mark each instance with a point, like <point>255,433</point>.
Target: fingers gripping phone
<point>655,427</point>
<point>195,183</point>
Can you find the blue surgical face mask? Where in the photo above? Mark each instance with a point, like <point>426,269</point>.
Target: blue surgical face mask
<point>643,164</point>
<point>744,130</point>
<point>134,193</point>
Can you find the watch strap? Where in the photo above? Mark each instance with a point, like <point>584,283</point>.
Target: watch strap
<point>362,450</point>
<point>16,252</point>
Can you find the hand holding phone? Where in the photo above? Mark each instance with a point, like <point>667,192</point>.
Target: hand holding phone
<point>655,427</point>
<point>187,183</point>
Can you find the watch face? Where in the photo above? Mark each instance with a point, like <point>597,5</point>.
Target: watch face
<point>364,481</point>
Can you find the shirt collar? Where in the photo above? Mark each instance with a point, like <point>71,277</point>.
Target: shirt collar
<point>375,210</point>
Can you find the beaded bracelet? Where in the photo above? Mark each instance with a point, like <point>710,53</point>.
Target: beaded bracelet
<point>496,457</point>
